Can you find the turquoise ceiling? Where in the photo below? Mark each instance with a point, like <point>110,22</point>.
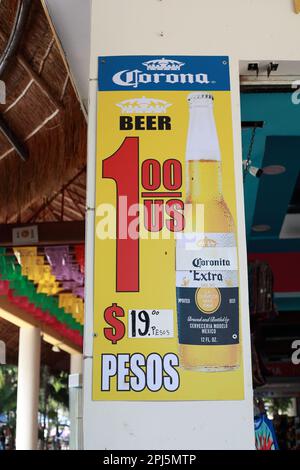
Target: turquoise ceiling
<point>277,143</point>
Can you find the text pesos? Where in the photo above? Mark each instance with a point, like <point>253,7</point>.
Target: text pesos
<point>135,372</point>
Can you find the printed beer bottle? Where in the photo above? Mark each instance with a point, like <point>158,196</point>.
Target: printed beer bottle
<point>206,253</point>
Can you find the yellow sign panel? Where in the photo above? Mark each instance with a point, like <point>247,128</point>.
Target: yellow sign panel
<point>166,295</point>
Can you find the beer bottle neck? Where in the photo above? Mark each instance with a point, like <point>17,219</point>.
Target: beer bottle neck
<point>204,180</point>
<point>202,142</point>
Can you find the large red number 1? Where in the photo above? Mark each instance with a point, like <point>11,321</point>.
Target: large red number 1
<point>123,168</point>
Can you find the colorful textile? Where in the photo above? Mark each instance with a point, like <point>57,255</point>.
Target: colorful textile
<point>265,438</point>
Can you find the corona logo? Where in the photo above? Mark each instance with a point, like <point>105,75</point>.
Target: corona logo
<point>200,263</point>
<point>161,68</point>
<point>144,106</point>
<point>2,92</point>
<point>163,64</point>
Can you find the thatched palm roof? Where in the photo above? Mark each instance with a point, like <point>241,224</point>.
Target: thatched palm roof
<point>43,111</point>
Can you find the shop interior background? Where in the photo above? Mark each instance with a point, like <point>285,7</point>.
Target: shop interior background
<point>270,112</point>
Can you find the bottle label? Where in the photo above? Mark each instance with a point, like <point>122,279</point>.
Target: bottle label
<point>207,289</point>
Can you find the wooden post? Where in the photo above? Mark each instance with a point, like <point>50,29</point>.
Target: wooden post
<point>297,6</point>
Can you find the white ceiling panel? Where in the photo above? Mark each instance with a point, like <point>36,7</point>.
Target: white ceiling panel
<point>290,227</point>
<point>72,22</point>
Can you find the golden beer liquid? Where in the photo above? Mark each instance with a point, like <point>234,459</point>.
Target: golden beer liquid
<point>205,187</point>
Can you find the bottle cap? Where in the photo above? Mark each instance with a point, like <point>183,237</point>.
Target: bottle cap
<point>200,99</point>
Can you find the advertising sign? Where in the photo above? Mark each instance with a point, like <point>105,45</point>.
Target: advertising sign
<point>166,274</point>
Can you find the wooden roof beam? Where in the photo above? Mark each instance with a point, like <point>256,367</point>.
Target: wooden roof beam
<point>53,213</point>
<point>76,203</point>
<point>13,139</point>
<point>13,42</point>
<point>39,81</point>
<point>67,208</point>
<point>81,200</point>
<point>52,198</point>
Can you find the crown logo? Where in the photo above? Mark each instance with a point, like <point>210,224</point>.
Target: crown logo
<point>163,64</point>
<point>144,106</point>
<point>206,243</point>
